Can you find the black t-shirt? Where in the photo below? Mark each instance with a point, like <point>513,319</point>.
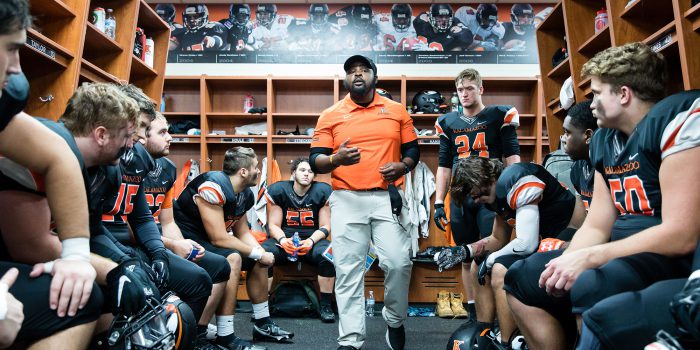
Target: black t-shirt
<point>489,134</point>
<point>582,176</point>
<point>299,213</point>
<point>14,98</point>
<point>158,185</point>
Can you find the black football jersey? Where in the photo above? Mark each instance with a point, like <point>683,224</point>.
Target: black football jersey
<point>528,37</point>
<point>215,188</point>
<point>489,134</point>
<point>305,37</point>
<point>457,37</point>
<point>158,185</point>
<point>299,214</point>
<point>14,98</point>
<point>524,183</point>
<point>582,175</point>
<point>191,40</point>
<point>238,36</point>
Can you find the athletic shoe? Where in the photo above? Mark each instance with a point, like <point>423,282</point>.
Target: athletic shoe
<point>395,338</point>
<point>326,313</point>
<point>457,306</point>
<point>443,308</point>
<point>271,331</point>
<point>202,343</point>
<point>236,343</point>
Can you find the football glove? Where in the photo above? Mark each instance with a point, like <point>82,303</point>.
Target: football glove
<point>685,308</point>
<point>484,270</point>
<point>161,269</point>
<point>450,257</point>
<point>439,216</point>
<point>130,287</point>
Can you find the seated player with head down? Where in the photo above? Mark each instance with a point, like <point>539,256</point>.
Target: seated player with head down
<point>301,206</point>
<point>524,196</point>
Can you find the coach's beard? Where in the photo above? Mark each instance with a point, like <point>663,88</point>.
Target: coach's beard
<point>358,92</point>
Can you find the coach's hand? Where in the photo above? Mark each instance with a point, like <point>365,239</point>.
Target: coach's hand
<point>392,171</point>
<point>71,284</point>
<point>346,155</point>
<point>439,216</point>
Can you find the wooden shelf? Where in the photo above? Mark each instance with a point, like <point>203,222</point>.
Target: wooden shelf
<point>51,50</point>
<point>95,74</point>
<point>598,42</point>
<point>181,114</point>
<point>296,115</point>
<point>633,9</point>
<point>53,8</point>
<point>184,138</point>
<point>555,20</point>
<point>561,70</point>
<point>291,139</point>
<point>236,139</point>
<point>235,115</point>
<point>95,40</point>
<point>660,34</point>
<point>553,103</point>
<point>526,115</point>
<point>140,68</point>
<point>558,111</point>
<point>429,140</point>
<point>692,12</point>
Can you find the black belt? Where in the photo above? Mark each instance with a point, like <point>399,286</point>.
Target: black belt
<point>371,189</point>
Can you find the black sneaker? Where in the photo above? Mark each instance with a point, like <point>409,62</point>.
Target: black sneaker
<point>202,343</point>
<point>236,343</point>
<point>326,313</point>
<point>271,331</point>
<point>395,338</point>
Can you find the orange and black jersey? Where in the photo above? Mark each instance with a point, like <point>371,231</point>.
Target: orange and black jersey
<point>214,187</point>
<point>522,184</point>
<point>158,185</point>
<point>489,134</point>
<point>582,175</point>
<point>14,98</point>
<point>457,37</point>
<point>299,213</point>
<point>134,165</point>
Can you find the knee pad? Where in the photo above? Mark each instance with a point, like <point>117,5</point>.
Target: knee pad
<point>326,268</point>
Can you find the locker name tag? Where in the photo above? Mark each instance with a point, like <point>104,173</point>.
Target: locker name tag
<point>295,140</point>
<point>237,139</point>
<point>41,48</point>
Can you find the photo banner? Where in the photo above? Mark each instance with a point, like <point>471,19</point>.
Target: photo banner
<point>329,33</point>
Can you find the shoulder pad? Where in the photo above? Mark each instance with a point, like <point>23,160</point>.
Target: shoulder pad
<point>211,192</point>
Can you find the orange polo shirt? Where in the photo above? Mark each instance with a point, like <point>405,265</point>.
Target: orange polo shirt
<point>377,130</point>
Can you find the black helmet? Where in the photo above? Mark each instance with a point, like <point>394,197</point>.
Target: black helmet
<point>441,25</point>
<point>195,16</point>
<point>318,15</point>
<point>383,93</point>
<point>464,337</point>
<point>166,12</point>
<point>487,15</point>
<point>239,14</point>
<point>428,101</point>
<point>401,17</point>
<point>361,16</point>
<point>522,10</point>
<point>270,12</point>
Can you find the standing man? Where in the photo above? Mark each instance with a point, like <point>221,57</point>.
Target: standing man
<point>367,143</point>
<point>478,131</point>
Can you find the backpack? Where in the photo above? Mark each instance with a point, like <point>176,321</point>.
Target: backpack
<point>294,299</point>
<point>559,164</point>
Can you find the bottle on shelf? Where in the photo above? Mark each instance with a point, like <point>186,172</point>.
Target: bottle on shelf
<point>454,102</point>
<point>162,103</point>
<point>110,24</point>
<point>248,103</point>
<point>297,242</point>
<point>148,50</point>
<point>98,18</point>
<point>370,304</point>
<point>601,19</point>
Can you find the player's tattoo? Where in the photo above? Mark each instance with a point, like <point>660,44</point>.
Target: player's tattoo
<point>479,250</point>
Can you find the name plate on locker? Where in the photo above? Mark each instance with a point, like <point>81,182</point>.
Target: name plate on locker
<point>237,140</point>
<point>180,139</point>
<point>298,140</point>
<point>429,141</point>
<point>41,48</point>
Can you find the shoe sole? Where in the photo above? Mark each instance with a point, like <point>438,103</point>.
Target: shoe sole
<point>278,338</point>
<point>388,343</point>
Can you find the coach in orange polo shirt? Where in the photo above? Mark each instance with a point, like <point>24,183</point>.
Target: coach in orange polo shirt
<point>368,143</point>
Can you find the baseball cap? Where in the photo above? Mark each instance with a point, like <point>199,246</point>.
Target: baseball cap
<point>359,58</point>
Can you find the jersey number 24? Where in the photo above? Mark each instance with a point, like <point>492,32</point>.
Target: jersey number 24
<point>463,145</point>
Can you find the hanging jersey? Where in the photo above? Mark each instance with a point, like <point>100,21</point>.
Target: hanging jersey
<point>582,175</point>
<point>467,16</point>
<point>273,38</point>
<point>237,36</point>
<point>299,213</point>
<point>215,188</point>
<point>14,98</point>
<point>489,134</point>
<point>193,40</point>
<point>158,186</point>
<point>522,184</point>
<point>389,38</point>
<point>458,37</point>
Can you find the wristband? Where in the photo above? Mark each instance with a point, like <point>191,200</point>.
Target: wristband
<point>76,249</point>
<point>331,160</point>
<point>257,253</point>
<point>408,168</point>
<point>324,230</point>
<point>3,300</point>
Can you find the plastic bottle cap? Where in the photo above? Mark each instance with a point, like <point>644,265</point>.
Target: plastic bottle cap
<point>602,11</point>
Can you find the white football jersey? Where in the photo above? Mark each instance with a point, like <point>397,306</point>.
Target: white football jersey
<point>388,38</point>
<point>274,38</point>
<point>467,15</point>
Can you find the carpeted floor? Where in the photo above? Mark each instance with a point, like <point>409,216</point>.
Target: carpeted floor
<point>424,333</point>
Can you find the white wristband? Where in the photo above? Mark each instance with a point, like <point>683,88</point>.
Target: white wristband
<point>76,249</point>
<point>3,300</point>
<point>257,253</point>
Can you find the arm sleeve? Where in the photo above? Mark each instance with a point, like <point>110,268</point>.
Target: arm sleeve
<point>411,150</point>
<point>682,132</point>
<point>509,140</point>
<point>104,244</point>
<point>445,152</point>
<point>527,227</point>
<point>144,226</point>
<point>525,191</point>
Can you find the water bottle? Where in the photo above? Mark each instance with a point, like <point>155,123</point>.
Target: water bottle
<point>454,101</point>
<point>370,304</point>
<point>297,242</point>
<point>110,24</point>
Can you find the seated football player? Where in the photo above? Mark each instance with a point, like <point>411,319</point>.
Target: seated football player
<point>214,204</point>
<point>579,126</point>
<point>629,240</point>
<point>301,206</point>
<point>525,197</point>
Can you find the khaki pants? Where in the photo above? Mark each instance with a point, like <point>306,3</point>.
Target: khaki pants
<point>356,218</point>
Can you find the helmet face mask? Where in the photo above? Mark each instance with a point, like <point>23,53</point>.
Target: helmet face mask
<point>146,331</point>
<point>362,16</point>
<point>318,16</point>
<point>239,14</point>
<point>428,101</point>
<point>523,17</point>
<point>487,16</point>
<point>166,12</point>
<point>265,14</point>
<point>440,16</point>
<point>195,16</point>
<point>401,17</point>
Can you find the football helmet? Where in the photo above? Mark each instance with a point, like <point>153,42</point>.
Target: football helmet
<point>464,337</point>
<point>147,330</point>
<point>195,16</point>
<point>401,17</point>
<point>685,309</point>
<point>265,14</point>
<point>239,14</point>
<point>383,93</point>
<point>428,101</point>
<point>166,12</point>
<point>523,17</point>
<point>318,16</point>
<point>487,16</point>
<point>440,16</point>
<point>362,16</point>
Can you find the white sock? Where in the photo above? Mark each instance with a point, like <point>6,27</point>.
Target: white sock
<point>261,310</point>
<point>224,325</point>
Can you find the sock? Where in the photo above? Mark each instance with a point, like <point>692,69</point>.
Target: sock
<point>326,298</point>
<point>483,329</point>
<point>261,313</point>
<point>224,325</point>
<point>471,309</point>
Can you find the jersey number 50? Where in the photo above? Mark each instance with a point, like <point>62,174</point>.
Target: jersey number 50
<point>630,185</point>
<point>463,149</point>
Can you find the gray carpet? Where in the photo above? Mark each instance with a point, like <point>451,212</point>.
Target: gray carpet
<point>424,333</point>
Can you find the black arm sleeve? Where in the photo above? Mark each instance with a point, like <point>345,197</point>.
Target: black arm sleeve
<point>144,226</point>
<point>315,152</point>
<point>411,150</point>
<point>509,138</point>
<point>445,153</point>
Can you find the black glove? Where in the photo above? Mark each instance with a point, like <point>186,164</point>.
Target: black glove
<point>130,287</point>
<point>484,270</point>
<point>439,216</point>
<point>685,308</point>
<point>451,256</point>
<point>161,268</point>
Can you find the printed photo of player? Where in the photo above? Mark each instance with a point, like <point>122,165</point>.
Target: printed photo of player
<point>438,30</point>
<point>396,32</point>
<point>199,34</point>
<point>484,24</point>
<point>270,28</point>
<point>360,33</point>
<point>315,33</point>
<point>239,28</point>
<point>520,31</point>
